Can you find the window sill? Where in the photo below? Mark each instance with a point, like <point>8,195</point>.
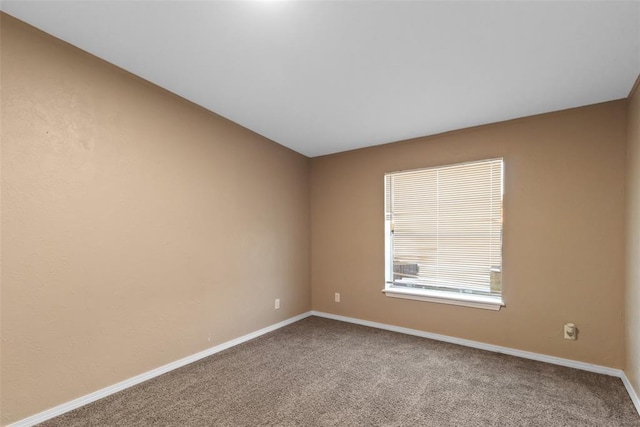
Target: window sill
<point>474,301</point>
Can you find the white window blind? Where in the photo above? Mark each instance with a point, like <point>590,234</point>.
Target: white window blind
<point>444,228</point>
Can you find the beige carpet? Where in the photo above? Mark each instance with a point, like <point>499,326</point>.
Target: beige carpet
<point>320,372</point>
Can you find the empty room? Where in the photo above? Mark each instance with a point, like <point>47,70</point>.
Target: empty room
<point>320,213</point>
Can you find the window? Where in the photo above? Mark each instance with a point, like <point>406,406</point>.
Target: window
<point>443,234</point>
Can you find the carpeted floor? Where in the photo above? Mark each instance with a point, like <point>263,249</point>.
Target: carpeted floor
<point>320,372</point>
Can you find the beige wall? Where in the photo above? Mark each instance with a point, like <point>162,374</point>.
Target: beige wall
<point>564,233</point>
<point>137,228</point>
<point>633,242</point>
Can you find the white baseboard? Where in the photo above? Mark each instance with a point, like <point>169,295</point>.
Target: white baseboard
<point>632,393</point>
<point>476,344</point>
<point>497,349</point>
<point>96,395</point>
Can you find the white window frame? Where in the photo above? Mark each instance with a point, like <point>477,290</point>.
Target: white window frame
<point>489,302</point>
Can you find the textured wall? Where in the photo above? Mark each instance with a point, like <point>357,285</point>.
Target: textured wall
<point>633,241</point>
<point>137,228</point>
<point>564,233</point>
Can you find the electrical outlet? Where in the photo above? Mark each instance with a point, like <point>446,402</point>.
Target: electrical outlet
<point>336,297</point>
<point>277,303</point>
<point>570,332</point>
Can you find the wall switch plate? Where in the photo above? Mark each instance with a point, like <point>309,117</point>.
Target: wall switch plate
<point>277,303</point>
<point>336,297</point>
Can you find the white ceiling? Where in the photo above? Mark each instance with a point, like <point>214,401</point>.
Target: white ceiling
<point>327,76</point>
